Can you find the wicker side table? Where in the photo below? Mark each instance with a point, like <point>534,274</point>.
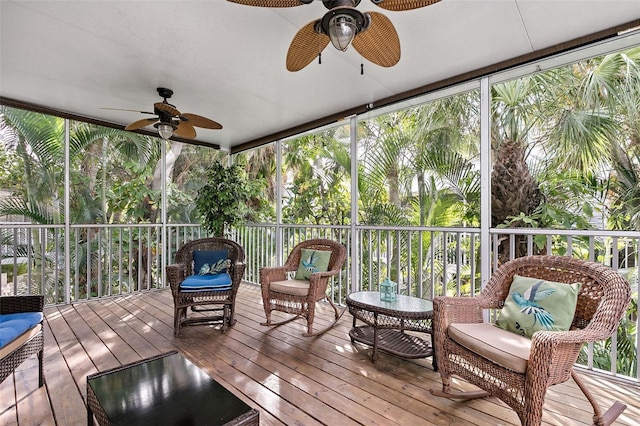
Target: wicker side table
<point>163,390</point>
<point>386,323</point>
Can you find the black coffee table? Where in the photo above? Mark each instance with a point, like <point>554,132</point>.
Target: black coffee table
<point>164,390</point>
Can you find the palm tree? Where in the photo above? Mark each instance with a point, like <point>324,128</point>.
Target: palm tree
<point>513,188</point>
<point>39,141</point>
<point>612,85</point>
<point>318,170</point>
<point>542,121</point>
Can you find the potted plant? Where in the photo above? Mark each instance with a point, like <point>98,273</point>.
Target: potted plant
<point>222,200</point>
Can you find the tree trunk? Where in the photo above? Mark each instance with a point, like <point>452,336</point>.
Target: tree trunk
<point>513,191</point>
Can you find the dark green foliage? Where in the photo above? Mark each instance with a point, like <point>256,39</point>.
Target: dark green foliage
<point>222,200</point>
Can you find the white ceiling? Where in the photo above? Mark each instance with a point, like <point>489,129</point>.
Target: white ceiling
<point>226,61</point>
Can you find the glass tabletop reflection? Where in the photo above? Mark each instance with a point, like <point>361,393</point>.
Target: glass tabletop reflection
<point>402,303</point>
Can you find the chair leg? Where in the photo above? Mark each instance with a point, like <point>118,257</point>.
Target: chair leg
<point>225,318</point>
<point>311,314</point>
<point>40,368</point>
<point>531,413</point>
<point>599,419</point>
<point>446,392</point>
<point>232,313</point>
<point>177,318</point>
<point>267,313</point>
<point>276,324</point>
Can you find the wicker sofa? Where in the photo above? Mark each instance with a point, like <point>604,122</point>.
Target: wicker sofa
<point>17,311</point>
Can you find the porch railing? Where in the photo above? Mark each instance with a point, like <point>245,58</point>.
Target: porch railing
<point>111,260</point>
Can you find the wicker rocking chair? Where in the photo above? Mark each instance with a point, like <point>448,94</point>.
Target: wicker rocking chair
<point>296,296</point>
<point>220,300</point>
<point>544,360</point>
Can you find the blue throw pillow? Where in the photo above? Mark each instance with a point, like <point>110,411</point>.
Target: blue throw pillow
<point>210,262</point>
<point>13,325</point>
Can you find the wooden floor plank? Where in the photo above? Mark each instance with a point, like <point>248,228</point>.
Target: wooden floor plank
<point>315,365</point>
<point>76,358</point>
<point>33,402</point>
<point>69,407</point>
<point>118,319</point>
<point>8,413</point>
<point>290,379</point>
<point>354,362</point>
<point>226,374</point>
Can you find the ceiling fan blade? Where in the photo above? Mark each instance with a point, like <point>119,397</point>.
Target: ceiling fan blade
<point>185,130</point>
<point>141,123</point>
<point>200,121</point>
<point>269,3</point>
<point>130,110</point>
<point>399,5</point>
<point>169,109</point>
<point>379,43</point>
<point>305,47</point>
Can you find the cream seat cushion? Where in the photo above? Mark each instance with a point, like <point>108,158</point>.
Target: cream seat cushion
<point>503,347</point>
<point>292,287</point>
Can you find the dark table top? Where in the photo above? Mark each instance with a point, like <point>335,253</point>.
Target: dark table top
<point>168,390</point>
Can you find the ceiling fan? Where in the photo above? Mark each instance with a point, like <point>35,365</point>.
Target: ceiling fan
<point>372,33</point>
<point>170,121</point>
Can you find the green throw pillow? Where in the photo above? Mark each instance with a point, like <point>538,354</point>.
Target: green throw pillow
<point>312,261</point>
<point>534,304</point>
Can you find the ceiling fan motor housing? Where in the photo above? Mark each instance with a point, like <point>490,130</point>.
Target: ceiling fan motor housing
<point>360,20</point>
<point>164,92</point>
<point>330,4</point>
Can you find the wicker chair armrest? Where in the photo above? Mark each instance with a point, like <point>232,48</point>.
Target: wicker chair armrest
<point>17,304</point>
<point>236,270</point>
<point>320,278</point>
<point>237,265</point>
<point>176,273</point>
<point>325,274</point>
<point>569,337</point>
<point>447,310</point>
<point>273,273</point>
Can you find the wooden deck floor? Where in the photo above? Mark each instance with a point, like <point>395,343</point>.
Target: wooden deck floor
<point>291,380</point>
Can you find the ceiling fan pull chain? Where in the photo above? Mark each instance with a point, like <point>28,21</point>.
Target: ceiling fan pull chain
<point>361,68</point>
<point>319,57</point>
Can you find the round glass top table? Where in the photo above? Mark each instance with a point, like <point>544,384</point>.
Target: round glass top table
<point>386,324</point>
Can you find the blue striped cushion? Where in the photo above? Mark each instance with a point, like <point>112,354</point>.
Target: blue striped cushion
<point>206,282</point>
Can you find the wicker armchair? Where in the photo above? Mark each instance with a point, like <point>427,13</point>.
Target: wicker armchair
<point>298,297</point>
<point>220,302</point>
<point>31,342</point>
<point>549,355</point>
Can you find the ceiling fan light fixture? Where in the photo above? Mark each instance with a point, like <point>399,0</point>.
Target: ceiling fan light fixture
<point>342,30</point>
<point>165,130</point>
<point>342,24</point>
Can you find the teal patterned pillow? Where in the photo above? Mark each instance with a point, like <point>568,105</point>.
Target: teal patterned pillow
<point>312,261</point>
<point>210,262</point>
<point>534,304</point>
